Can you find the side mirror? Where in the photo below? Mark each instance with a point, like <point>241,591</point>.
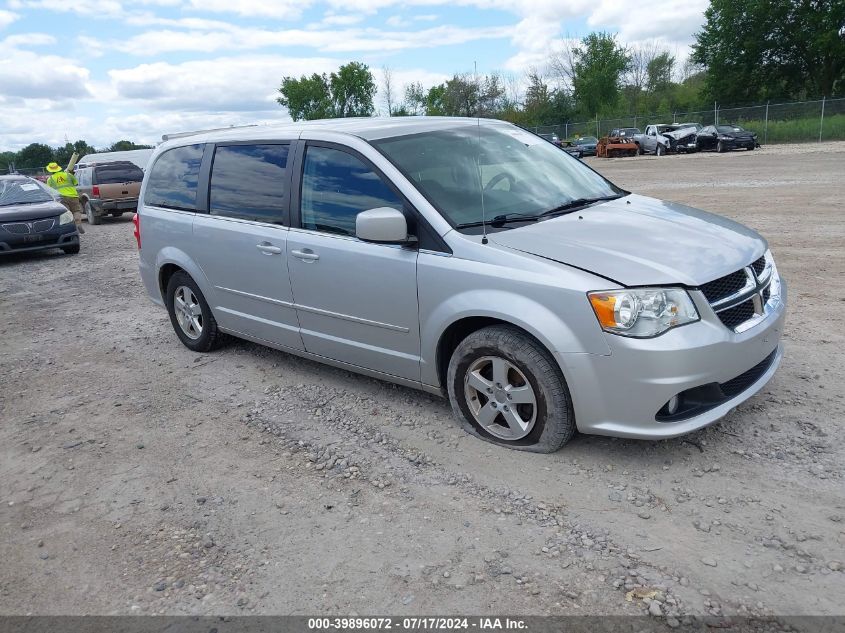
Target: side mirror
<point>383,224</point>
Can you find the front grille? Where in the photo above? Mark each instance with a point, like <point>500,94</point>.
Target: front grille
<point>724,286</point>
<point>39,226</point>
<point>18,228</point>
<point>737,385</point>
<point>737,314</point>
<point>767,292</point>
<point>759,266</point>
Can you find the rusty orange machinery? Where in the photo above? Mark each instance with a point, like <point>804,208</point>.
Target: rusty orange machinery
<point>614,146</point>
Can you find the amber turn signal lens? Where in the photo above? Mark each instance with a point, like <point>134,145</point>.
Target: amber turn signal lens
<point>604,306</point>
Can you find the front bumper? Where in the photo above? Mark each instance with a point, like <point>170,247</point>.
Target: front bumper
<point>739,143</point>
<point>622,393</point>
<point>60,236</point>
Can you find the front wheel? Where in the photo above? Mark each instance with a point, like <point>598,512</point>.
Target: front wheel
<point>71,250</point>
<point>507,389</point>
<point>190,315</point>
<point>660,151</point>
<point>720,147</point>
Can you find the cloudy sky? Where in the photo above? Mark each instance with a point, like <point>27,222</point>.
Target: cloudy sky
<point>105,70</point>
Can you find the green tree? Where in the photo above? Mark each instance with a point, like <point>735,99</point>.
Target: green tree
<point>7,159</point>
<point>346,93</point>
<point>598,64</point>
<point>34,155</point>
<point>762,49</point>
<point>123,146</point>
<point>659,72</point>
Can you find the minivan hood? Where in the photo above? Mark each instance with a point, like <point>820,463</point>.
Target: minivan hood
<point>21,212</point>
<point>640,241</point>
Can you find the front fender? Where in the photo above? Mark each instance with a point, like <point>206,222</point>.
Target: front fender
<point>549,327</point>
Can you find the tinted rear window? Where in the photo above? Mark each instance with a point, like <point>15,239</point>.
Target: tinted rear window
<point>248,181</point>
<point>173,180</point>
<point>116,174</point>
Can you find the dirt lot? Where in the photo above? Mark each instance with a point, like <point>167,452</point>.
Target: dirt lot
<point>138,477</point>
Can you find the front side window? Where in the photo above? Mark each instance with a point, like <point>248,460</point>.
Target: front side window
<point>173,180</point>
<point>248,182</point>
<point>336,187</point>
<point>503,168</point>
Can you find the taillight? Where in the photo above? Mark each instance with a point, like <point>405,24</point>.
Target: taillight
<point>95,191</point>
<point>136,220</point>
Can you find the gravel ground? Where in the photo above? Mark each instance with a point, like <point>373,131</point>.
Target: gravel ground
<point>138,477</point>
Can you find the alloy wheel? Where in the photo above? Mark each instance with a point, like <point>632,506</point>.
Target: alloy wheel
<point>500,398</point>
<point>188,312</point>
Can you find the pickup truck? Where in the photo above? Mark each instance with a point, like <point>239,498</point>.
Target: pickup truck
<point>663,138</point>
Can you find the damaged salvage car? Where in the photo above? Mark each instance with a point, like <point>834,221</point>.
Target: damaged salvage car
<point>723,138</point>
<point>662,138</point>
<point>467,258</point>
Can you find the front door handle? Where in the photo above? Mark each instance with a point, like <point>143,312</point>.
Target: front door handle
<point>306,255</point>
<point>268,249</point>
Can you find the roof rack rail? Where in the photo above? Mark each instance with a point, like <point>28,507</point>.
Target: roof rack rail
<point>167,137</point>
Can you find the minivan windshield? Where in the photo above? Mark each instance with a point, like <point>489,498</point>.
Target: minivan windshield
<point>22,191</point>
<point>515,172</point>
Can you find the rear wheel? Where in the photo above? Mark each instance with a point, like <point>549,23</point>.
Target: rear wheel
<point>91,215</point>
<point>639,150</point>
<point>507,389</point>
<point>190,315</point>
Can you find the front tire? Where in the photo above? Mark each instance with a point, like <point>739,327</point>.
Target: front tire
<point>91,215</point>
<point>720,147</point>
<point>190,315</point>
<point>660,151</point>
<point>71,250</point>
<point>507,389</point>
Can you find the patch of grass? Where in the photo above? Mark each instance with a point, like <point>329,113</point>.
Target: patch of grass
<point>797,130</point>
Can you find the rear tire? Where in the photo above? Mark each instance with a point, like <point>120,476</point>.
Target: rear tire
<point>507,389</point>
<point>91,215</point>
<point>190,315</point>
<point>71,250</point>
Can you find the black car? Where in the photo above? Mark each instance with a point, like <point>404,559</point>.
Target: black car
<point>31,219</point>
<point>587,145</point>
<point>725,137</point>
<point>551,138</point>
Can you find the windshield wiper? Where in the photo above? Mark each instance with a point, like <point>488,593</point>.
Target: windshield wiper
<point>502,219</point>
<point>568,207</point>
<point>578,203</point>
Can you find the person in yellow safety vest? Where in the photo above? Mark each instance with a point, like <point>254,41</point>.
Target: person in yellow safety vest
<point>65,184</point>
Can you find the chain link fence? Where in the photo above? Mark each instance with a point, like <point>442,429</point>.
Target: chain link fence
<point>796,122</point>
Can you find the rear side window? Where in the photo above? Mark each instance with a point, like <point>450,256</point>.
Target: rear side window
<point>117,174</point>
<point>248,182</point>
<point>336,187</point>
<point>173,180</point>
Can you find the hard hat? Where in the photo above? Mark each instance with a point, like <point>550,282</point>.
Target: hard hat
<point>53,168</point>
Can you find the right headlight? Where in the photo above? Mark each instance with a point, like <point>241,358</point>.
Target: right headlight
<point>66,218</point>
<point>642,312</point>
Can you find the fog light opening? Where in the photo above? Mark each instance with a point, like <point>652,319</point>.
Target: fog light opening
<point>672,406</point>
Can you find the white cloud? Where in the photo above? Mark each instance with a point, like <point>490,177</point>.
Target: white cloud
<point>341,20</point>
<point>90,8</point>
<point>227,37</point>
<point>7,17</point>
<point>674,20</point>
<point>279,9</point>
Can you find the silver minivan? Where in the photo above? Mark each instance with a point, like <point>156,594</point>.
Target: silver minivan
<point>467,258</point>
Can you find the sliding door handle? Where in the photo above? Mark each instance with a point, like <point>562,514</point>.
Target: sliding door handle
<point>306,255</point>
